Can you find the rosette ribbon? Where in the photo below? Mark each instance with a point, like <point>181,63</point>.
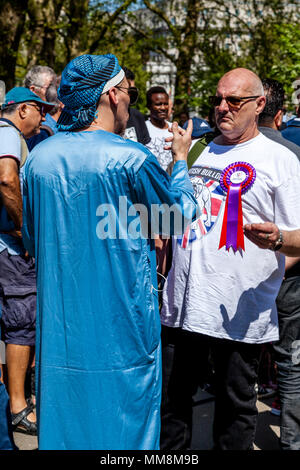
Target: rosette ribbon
<point>235,180</point>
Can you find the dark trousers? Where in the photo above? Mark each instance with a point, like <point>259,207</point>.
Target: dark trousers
<point>185,356</point>
<point>6,433</point>
<point>287,357</point>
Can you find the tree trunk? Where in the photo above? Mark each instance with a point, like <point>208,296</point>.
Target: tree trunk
<point>12,21</point>
<point>186,54</point>
<point>41,34</point>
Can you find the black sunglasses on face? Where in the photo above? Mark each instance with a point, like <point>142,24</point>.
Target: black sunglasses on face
<point>233,101</point>
<point>132,91</point>
<point>40,108</point>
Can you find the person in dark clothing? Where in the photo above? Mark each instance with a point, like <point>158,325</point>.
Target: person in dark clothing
<point>270,120</point>
<point>136,128</point>
<point>288,304</point>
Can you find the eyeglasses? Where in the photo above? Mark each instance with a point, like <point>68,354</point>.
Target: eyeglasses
<point>233,101</point>
<point>41,108</point>
<point>132,91</point>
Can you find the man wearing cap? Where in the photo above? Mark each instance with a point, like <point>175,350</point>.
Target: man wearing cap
<point>21,116</point>
<point>98,328</point>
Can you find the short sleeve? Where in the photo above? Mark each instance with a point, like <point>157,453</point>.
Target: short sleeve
<point>10,143</point>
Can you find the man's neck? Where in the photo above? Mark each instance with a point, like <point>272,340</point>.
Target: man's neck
<point>269,125</point>
<point>159,123</point>
<point>223,139</point>
<point>99,124</point>
<point>11,122</point>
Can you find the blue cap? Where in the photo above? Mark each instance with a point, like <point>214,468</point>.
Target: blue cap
<point>200,127</point>
<point>20,94</point>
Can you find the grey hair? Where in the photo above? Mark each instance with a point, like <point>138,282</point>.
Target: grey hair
<point>51,96</point>
<point>35,76</point>
<point>8,110</point>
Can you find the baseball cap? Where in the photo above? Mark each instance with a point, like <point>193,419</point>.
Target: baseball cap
<point>22,94</point>
<point>200,127</point>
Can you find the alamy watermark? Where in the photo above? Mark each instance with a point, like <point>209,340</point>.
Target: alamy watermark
<point>134,221</point>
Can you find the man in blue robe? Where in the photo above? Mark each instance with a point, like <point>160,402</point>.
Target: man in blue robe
<point>98,326</point>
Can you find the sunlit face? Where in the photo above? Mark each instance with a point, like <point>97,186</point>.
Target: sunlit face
<point>122,114</point>
<point>159,106</point>
<point>34,119</point>
<point>234,123</point>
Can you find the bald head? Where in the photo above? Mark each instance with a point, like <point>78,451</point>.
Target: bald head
<point>242,100</point>
<point>245,79</point>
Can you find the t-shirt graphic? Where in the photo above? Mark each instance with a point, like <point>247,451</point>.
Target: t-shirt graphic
<point>209,195</point>
<point>156,146</point>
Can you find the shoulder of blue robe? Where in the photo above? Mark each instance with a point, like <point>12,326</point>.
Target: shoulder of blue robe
<point>96,150</point>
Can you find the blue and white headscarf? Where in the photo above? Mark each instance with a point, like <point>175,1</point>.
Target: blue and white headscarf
<point>83,81</point>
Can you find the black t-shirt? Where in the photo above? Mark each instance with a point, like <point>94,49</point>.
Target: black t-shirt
<point>136,127</point>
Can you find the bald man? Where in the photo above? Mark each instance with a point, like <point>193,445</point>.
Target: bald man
<point>221,290</point>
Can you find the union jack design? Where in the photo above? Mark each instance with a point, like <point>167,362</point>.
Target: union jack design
<point>209,195</point>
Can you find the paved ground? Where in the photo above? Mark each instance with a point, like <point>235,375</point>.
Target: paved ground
<point>267,432</point>
<point>266,436</point>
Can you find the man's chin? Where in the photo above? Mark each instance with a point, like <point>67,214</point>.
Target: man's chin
<point>225,125</point>
<point>32,133</point>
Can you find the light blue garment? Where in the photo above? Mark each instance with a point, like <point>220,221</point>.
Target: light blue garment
<point>49,121</point>
<point>292,131</point>
<point>98,325</point>
<point>10,146</point>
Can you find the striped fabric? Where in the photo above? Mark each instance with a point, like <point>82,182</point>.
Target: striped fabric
<point>82,84</point>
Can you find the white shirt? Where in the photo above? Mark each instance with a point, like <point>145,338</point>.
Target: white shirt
<point>221,293</point>
<point>157,144</point>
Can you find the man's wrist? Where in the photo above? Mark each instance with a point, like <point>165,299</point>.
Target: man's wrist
<point>279,242</point>
<point>178,158</point>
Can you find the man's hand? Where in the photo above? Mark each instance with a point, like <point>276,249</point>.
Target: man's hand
<point>263,235</point>
<point>181,141</point>
<point>14,233</point>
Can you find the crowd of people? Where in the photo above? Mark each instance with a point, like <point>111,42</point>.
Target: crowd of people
<point>112,313</point>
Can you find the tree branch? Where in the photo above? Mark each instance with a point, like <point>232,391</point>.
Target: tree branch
<point>174,30</point>
<point>111,19</point>
<point>154,44</point>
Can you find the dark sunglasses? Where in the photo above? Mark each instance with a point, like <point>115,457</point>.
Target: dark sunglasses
<point>40,108</point>
<point>132,91</point>
<point>233,101</point>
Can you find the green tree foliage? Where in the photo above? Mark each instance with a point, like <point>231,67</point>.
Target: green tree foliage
<point>201,39</point>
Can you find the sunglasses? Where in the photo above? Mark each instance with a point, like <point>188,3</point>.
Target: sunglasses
<point>233,101</point>
<point>132,91</point>
<point>40,108</point>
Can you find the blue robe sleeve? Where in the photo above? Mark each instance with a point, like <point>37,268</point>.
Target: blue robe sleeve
<point>169,200</point>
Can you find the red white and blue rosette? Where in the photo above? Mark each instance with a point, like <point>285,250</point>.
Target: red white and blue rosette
<point>235,180</point>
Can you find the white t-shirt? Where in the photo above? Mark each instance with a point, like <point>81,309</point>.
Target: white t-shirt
<point>157,143</point>
<point>218,292</point>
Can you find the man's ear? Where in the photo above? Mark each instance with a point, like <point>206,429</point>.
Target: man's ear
<point>112,93</point>
<point>278,118</point>
<point>23,110</point>
<point>261,102</point>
